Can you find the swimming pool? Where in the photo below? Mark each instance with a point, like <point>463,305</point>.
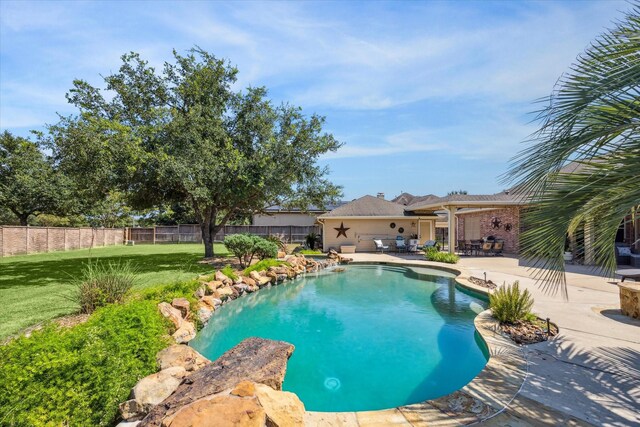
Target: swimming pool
<point>371,337</point>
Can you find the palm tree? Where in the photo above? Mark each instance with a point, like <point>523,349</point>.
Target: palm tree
<point>582,166</point>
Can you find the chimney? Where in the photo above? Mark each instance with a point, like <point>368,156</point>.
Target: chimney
<point>381,196</point>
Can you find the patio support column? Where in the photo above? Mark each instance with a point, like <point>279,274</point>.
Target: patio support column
<point>589,255</point>
<point>452,229</point>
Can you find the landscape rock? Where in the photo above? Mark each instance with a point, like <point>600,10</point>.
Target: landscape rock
<point>221,277</point>
<point>185,333</point>
<point>181,304</point>
<point>219,411</point>
<point>254,359</point>
<point>181,356</point>
<point>224,292</point>
<point>283,409</point>
<point>171,313</point>
<point>151,391</point>
<point>199,293</point>
<point>204,313</point>
<point>281,254</point>
<point>128,423</point>
<point>213,285</point>
<point>211,301</point>
<point>244,389</point>
<point>249,281</point>
<point>255,276</point>
<point>242,287</point>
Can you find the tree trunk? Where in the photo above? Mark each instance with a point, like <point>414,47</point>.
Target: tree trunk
<point>207,239</point>
<point>24,219</point>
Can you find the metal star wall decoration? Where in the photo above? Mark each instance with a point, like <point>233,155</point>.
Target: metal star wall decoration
<point>495,222</point>
<point>342,230</point>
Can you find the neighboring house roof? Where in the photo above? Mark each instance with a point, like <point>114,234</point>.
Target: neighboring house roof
<point>407,199</point>
<point>311,209</point>
<point>367,206</point>
<point>504,198</point>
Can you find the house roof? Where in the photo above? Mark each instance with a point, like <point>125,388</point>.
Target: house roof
<point>407,199</point>
<point>367,206</point>
<point>504,198</point>
<point>312,208</point>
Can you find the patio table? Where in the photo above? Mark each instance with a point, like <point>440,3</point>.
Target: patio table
<point>629,273</point>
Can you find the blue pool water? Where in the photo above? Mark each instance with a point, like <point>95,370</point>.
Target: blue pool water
<point>371,337</point>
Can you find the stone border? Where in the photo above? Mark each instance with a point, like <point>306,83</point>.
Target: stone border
<point>486,396</point>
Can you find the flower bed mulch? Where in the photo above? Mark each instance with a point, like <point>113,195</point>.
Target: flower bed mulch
<point>526,332</point>
<point>481,282</point>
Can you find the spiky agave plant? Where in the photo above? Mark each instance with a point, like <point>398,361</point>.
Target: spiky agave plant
<point>509,305</point>
<point>592,118</point>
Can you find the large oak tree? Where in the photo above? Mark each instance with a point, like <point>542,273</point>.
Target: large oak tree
<point>184,135</point>
<point>29,183</point>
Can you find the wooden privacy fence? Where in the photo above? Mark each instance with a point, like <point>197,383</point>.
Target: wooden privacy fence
<point>16,240</point>
<point>190,233</point>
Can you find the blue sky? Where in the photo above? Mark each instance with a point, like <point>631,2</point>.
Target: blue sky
<point>428,97</point>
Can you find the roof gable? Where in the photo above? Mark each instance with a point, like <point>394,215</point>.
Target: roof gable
<point>367,206</point>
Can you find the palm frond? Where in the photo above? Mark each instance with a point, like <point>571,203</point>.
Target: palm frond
<point>592,118</point>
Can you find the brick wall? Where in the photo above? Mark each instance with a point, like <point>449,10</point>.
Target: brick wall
<point>28,240</point>
<point>506,216</point>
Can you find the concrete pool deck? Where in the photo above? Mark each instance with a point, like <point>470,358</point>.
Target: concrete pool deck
<point>588,374</point>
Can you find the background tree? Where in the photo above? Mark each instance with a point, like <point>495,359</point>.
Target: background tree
<point>593,119</point>
<point>454,192</point>
<point>184,136</point>
<point>29,184</point>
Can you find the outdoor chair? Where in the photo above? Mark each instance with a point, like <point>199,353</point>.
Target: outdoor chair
<point>380,247</point>
<point>623,254</point>
<point>427,244</point>
<point>401,246</point>
<point>497,248</point>
<point>463,247</point>
<point>487,248</point>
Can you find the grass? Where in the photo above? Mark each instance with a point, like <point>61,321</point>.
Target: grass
<point>33,287</point>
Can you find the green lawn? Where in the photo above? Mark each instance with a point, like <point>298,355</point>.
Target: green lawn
<point>33,287</point>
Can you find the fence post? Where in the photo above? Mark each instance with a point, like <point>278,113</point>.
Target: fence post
<point>290,234</point>
<point>154,234</point>
<point>178,233</point>
<point>47,239</point>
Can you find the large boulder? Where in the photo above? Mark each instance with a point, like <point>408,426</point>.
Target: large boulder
<point>171,313</point>
<point>185,333</point>
<point>151,391</point>
<point>181,304</point>
<point>283,409</point>
<point>255,276</point>
<point>181,356</point>
<point>219,411</point>
<point>254,359</point>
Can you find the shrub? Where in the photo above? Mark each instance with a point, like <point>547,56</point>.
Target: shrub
<point>509,305</point>
<point>264,265</point>
<point>311,239</point>
<point>101,284</point>
<point>78,376</point>
<point>264,249</point>
<point>433,254</point>
<point>241,245</point>
<point>228,271</point>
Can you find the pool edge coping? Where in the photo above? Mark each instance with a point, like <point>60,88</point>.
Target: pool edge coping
<point>480,399</point>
